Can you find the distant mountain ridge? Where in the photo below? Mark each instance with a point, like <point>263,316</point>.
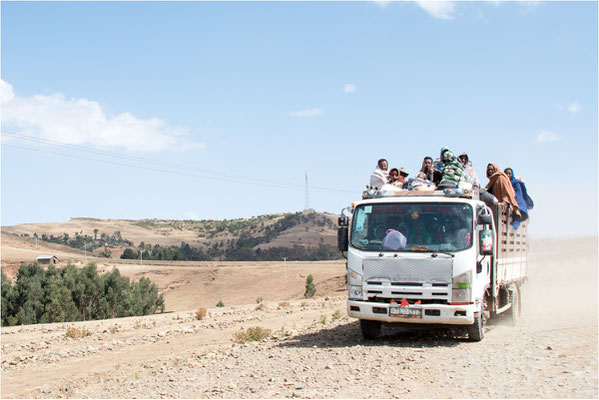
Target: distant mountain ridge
<point>307,235</point>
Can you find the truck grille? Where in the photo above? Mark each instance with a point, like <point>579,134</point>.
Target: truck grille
<point>409,270</point>
<point>427,280</point>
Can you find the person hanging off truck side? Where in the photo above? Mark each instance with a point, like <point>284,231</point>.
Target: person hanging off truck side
<point>450,172</point>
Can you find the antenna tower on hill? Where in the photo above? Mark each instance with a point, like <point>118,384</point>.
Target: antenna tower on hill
<point>307,205</point>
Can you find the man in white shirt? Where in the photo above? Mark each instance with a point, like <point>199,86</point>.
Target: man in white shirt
<point>379,176</point>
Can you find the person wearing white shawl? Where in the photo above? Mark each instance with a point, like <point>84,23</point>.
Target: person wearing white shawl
<point>379,176</point>
<point>464,159</point>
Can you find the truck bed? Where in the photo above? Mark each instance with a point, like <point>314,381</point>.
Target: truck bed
<point>512,247</point>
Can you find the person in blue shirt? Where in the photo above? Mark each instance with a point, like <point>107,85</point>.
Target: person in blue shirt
<point>523,200</point>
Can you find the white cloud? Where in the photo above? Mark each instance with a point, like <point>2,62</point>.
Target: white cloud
<point>311,112</point>
<point>528,6</point>
<point>438,9</point>
<point>84,122</point>
<point>349,88</point>
<point>382,3</point>
<point>574,108</point>
<point>547,137</point>
<point>7,91</point>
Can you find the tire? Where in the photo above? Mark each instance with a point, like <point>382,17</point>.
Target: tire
<point>476,331</point>
<point>513,314</point>
<point>370,329</point>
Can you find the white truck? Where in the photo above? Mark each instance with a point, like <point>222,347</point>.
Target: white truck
<point>462,262</point>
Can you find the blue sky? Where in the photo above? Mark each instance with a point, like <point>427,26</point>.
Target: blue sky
<point>202,110</point>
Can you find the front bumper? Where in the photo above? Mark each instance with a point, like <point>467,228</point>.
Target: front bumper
<point>431,313</point>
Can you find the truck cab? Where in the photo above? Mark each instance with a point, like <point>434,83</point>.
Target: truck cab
<point>441,274</point>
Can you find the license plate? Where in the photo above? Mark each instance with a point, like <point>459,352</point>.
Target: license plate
<point>405,312</point>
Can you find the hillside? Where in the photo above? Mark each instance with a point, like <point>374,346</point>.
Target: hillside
<point>305,235</point>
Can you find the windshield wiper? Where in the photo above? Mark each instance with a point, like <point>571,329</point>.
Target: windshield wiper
<point>426,249</point>
<point>436,253</point>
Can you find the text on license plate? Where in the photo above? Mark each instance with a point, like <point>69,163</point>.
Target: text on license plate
<point>405,312</point>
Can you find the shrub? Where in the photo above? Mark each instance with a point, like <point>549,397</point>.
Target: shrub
<point>336,315</point>
<point>259,300</point>
<point>114,329</point>
<point>201,313</point>
<point>310,289</point>
<point>75,333</point>
<point>283,304</point>
<point>254,334</point>
<point>220,304</point>
<point>323,319</point>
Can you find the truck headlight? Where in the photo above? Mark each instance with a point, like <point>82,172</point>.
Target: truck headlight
<point>461,288</point>
<point>353,278</point>
<point>355,292</point>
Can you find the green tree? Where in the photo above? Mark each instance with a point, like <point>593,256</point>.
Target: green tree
<point>130,254</point>
<point>310,289</point>
<point>6,301</point>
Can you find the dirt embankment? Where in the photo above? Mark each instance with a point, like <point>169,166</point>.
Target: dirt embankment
<point>315,351</point>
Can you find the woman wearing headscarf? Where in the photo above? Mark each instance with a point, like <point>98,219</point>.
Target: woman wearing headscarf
<point>523,200</point>
<point>379,176</point>
<point>453,170</point>
<point>500,186</point>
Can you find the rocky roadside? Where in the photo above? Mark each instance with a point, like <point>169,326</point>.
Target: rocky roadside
<point>313,351</point>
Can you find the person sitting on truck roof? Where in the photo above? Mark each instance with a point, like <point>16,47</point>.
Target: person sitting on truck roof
<point>453,171</point>
<point>523,200</point>
<point>420,183</point>
<point>379,175</point>
<point>403,174</point>
<point>500,186</point>
<point>464,159</point>
<point>393,176</point>
<point>430,172</point>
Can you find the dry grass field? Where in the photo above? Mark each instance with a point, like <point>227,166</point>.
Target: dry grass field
<point>312,349</point>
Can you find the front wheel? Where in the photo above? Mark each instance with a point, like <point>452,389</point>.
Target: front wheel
<point>370,329</point>
<point>476,331</point>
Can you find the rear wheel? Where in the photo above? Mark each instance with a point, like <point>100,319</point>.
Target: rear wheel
<point>513,314</point>
<point>476,331</point>
<point>370,329</point>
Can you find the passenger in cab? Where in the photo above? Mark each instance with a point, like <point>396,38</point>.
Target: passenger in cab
<point>468,169</point>
<point>523,200</point>
<point>379,175</point>
<point>500,186</point>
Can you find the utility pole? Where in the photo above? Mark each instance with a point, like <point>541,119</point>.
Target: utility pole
<point>85,249</point>
<point>141,256</point>
<point>285,262</point>
<point>307,205</point>
<point>36,243</point>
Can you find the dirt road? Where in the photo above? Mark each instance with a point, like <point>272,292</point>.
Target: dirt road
<point>312,353</point>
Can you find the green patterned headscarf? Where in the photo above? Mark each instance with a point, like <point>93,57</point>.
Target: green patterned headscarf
<point>453,170</point>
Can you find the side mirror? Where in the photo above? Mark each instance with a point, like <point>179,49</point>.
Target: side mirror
<point>484,219</point>
<point>485,241</point>
<point>343,220</point>
<point>342,241</point>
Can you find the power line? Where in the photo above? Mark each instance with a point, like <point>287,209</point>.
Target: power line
<point>151,164</point>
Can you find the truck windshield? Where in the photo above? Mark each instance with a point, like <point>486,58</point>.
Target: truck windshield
<point>425,226</point>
